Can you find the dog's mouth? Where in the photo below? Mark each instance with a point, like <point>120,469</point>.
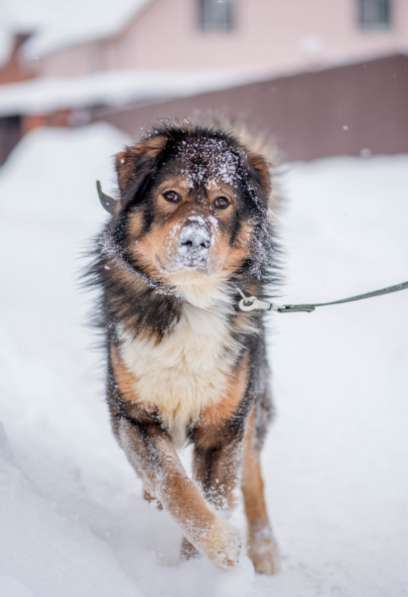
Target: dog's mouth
<point>191,262</point>
<point>194,279</point>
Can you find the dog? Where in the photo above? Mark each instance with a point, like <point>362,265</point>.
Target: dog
<point>191,231</point>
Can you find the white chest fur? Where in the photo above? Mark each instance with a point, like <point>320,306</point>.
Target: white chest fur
<point>186,371</point>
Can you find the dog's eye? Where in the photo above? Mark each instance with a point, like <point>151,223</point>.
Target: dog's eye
<point>172,196</point>
<point>221,202</point>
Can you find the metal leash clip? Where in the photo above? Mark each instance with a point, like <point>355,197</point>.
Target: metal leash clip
<point>252,303</point>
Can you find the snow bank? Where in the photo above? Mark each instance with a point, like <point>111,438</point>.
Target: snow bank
<point>71,515</point>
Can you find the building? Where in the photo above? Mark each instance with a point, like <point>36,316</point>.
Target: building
<point>267,36</point>
<point>307,70</point>
<point>14,68</point>
<point>350,109</point>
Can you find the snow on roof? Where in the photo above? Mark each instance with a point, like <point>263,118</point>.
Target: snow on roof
<point>119,88</point>
<point>5,46</point>
<point>65,23</point>
<point>7,29</point>
<point>114,88</point>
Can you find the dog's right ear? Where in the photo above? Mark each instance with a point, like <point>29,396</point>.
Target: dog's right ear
<point>261,171</point>
<point>136,162</point>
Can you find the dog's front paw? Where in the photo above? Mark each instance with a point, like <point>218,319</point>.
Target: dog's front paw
<point>264,553</point>
<point>151,499</point>
<point>222,544</point>
<point>188,551</point>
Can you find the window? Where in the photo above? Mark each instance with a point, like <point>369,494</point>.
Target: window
<point>374,14</point>
<point>216,15</point>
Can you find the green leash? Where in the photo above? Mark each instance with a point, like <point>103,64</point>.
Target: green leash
<point>252,303</point>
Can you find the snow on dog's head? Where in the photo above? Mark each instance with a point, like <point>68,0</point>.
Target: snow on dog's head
<point>193,207</point>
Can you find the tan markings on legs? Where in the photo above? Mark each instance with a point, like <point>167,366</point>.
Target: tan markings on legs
<point>262,547</point>
<point>151,452</point>
<point>148,497</point>
<point>216,471</point>
<point>215,466</point>
<point>155,460</point>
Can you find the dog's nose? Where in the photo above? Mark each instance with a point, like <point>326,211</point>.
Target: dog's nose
<point>195,237</point>
<point>194,244</point>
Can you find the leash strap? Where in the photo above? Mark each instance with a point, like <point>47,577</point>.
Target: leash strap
<point>252,303</point>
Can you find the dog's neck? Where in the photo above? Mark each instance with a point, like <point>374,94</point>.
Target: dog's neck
<point>140,303</point>
<point>142,300</point>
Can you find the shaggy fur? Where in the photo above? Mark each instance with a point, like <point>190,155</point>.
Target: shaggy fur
<point>192,224</point>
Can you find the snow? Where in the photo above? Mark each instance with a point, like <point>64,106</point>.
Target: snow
<point>72,518</point>
<point>209,160</point>
<point>112,88</point>
<point>70,23</point>
<point>5,46</point>
<point>6,33</point>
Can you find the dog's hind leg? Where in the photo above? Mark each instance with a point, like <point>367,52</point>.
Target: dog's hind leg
<point>152,454</point>
<point>262,547</point>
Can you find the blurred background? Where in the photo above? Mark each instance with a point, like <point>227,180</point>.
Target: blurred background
<point>328,81</point>
<point>325,78</point>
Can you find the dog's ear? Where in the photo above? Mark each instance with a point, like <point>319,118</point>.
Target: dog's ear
<point>135,162</point>
<point>261,171</point>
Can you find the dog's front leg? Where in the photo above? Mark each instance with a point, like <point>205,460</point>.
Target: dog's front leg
<point>216,469</point>
<point>152,454</point>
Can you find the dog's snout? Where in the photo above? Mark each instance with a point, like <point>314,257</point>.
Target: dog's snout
<point>195,237</point>
<point>194,243</point>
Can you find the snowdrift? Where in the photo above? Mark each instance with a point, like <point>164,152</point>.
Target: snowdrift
<point>72,520</point>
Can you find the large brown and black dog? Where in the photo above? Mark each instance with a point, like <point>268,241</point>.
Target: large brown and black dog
<point>190,229</point>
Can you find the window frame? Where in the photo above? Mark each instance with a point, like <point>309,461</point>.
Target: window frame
<point>366,25</point>
<point>207,23</point>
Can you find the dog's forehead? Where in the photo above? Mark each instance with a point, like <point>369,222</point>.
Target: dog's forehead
<point>208,161</point>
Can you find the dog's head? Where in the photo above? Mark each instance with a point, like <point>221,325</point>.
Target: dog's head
<point>192,207</point>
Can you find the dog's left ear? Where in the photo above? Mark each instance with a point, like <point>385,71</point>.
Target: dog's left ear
<point>261,171</point>
<point>135,162</point>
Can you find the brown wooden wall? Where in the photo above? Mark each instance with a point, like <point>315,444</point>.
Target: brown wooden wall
<point>344,110</point>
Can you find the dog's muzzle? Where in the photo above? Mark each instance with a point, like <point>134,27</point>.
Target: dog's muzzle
<point>194,243</point>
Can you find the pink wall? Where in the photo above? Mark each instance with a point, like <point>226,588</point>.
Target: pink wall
<point>78,60</point>
<point>271,35</point>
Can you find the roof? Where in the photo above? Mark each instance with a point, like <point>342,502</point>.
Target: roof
<point>73,22</point>
<point>129,87</point>
<point>112,89</point>
<point>5,46</point>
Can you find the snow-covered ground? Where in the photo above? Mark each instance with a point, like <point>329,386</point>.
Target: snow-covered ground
<point>72,521</point>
